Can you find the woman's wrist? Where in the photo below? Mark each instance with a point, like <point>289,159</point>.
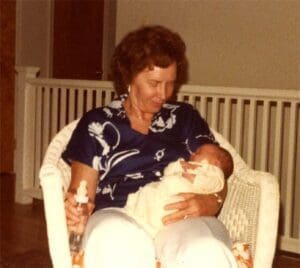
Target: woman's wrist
<point>218,200</point>
<point>212,205</point>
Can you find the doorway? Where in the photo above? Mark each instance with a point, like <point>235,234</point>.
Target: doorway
<point>77,39</point>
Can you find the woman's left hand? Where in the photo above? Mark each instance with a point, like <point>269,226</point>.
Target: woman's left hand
<point>192,206</point>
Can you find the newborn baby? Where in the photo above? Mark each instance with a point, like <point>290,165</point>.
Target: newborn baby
<point>202,174</point>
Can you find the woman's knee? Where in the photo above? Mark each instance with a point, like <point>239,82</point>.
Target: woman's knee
<point>207,251</point>
<point>194,243</point>
<point>112,239</point>
<point>200,252</point>
<point>107,223</point>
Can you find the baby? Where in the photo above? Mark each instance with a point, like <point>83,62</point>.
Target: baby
<point>202,174</point>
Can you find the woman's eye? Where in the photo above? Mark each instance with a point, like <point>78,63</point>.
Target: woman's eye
<point>170,86</point>
<point>153,83</point>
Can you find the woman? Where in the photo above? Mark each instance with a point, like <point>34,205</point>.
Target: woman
<point>123,146</point>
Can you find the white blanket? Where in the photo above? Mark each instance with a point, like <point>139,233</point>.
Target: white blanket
<point>146,205</point>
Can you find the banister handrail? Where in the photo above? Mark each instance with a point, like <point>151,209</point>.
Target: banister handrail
<point>286,94</point>
<point>258,93</point>
<point>70,83</point>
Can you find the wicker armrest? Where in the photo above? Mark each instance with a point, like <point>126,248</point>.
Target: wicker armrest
<point>250,213</point>
<point>55,177</point>
<point>268,218</point>
<point>50,178</point>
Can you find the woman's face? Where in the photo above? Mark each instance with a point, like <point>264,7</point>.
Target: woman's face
<point>150,89</point>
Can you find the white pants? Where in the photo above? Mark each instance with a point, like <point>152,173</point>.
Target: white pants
<point>114,240</point>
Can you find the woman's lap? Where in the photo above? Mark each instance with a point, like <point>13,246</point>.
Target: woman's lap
<point>113,239</point>
<point>194,242</point>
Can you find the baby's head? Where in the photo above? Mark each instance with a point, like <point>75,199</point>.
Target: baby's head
<point>215,155</point>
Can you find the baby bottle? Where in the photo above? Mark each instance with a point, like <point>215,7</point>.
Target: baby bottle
<point>75,238</point>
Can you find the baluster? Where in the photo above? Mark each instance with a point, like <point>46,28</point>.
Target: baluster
<point>290,171</point>
<point>63,107</point>
<point>203,106</point>
<point>89,99</point>
<point>46,119</point>
<point>251,133</point>
<point>80,102</point>
<point>278,140</point>
<point>226,118</point>
<point>71,109</point>
<point>214,113</point>
<point>54,112</point>
<point>239,125</point>
<point>265,133</point>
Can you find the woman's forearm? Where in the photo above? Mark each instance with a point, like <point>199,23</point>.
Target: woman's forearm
<point>81,172</point>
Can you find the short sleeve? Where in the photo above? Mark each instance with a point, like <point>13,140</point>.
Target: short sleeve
<point>195,130</point>
<point>84,145</point>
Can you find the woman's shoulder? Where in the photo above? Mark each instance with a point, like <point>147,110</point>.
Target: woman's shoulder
<point>94,114</point>
<point>108,112</point>
<point>184,112</point>
<point>179,107</point>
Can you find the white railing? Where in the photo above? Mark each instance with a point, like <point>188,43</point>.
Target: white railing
<point>262,124</point>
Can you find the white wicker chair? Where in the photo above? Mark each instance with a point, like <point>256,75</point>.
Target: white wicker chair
<point>250,211</point>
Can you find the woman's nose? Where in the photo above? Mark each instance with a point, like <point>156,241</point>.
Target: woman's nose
<point>162,92</point>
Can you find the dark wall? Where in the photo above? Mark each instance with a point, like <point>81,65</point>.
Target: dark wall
<point>7,61</point>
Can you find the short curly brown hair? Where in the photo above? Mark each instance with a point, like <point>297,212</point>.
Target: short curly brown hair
<point>147,46</point>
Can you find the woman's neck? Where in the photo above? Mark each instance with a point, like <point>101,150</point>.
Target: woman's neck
<point>133,111</point>
<point>139,121</point>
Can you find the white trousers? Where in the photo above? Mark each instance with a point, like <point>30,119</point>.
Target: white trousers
<point>114,240</point>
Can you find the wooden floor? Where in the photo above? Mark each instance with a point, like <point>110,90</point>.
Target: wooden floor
<point>23,239</point>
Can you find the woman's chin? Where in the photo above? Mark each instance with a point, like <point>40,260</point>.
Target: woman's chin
<point>157,106</point>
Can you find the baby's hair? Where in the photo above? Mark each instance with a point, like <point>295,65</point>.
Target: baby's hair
<point>221,157</point>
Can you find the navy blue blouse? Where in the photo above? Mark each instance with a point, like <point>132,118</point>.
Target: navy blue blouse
<point>127,159</point>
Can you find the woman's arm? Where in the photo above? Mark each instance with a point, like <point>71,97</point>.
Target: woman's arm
<point>195,205</point>
<point>80,171</point>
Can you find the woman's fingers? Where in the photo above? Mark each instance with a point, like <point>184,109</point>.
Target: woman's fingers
<point>179,205</point>
<point>174,217</point>
<point>182,209</point>
<point>192,205</point>
<point>91,207</point>
<point>73,211</point>
<point>72,214</point>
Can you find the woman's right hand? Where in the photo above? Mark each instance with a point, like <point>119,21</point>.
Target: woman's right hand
<point>73,212</point>
<point>79,171</point>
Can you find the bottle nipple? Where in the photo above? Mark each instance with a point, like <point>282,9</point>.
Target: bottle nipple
<point>81,194</point>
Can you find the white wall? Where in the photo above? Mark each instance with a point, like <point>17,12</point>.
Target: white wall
<point>230,43</point>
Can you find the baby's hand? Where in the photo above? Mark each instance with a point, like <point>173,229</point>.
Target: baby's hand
<point>186,165</point>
